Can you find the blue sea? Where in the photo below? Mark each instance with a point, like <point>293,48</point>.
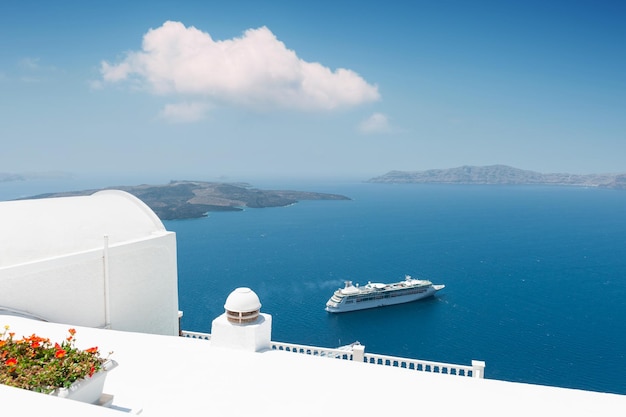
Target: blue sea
<point>535,276</point>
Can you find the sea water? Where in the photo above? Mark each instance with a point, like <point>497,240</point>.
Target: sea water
<point>535,276</point>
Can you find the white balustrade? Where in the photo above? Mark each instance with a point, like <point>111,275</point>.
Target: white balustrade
<point>195,335</point>
<point>356,352</point>
<point>312,350</point>
<point>426,366</point>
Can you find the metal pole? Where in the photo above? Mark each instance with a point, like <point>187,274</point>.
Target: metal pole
<point>107,306</point>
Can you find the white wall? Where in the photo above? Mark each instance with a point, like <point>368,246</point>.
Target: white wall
<point>143,287</point>
<point>54,257</point>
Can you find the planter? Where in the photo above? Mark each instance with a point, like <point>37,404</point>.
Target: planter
<point>89,389</point>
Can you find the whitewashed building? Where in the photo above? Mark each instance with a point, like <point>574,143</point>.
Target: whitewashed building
<point>103,260</point>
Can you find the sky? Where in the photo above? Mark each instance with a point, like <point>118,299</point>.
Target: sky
<point>240,90</point>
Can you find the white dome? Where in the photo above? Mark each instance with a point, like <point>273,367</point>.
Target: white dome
<point>242,300</point>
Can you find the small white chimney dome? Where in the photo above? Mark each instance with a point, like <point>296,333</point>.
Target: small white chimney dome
<point>242,306</point>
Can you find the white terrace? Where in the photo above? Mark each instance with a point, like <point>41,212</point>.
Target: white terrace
<point>160,375</point>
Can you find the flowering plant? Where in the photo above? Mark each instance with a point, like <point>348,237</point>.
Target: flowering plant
<point>34,363</point>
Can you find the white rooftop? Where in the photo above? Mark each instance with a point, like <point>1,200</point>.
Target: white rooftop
<point>176,376</point>
<point>45,228</point>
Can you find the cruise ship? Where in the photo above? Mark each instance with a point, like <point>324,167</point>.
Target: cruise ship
<point>351,298</point>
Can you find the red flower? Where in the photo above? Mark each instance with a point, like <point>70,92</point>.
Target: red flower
<point>71,336</point>
<point>59,353</point>
<point>11,362</point>
<point>91,371</point>
<point>92,350</point>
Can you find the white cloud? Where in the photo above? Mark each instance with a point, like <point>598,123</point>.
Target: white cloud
<point>32,71</point>
<point>376,123</point>
<point>31,64</point>
<point>184,112</point>
<point>96,84</point>
<point>254,70</point>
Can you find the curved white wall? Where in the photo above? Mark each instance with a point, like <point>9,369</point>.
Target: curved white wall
<point>55,262</point>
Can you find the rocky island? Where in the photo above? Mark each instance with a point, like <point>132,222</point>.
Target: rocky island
<point>192,199</point>
<point>501,174</point>
<point>27,176</point>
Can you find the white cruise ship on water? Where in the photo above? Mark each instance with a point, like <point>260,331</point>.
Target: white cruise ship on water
<point>351,298</point>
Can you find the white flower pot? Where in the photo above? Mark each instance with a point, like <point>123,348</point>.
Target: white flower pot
<point>88,389</point>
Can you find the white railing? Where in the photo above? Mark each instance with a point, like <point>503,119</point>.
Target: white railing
<point>195,335</point>
<point>339,353</point>
<point>476,370</point>
<point>356,352</point>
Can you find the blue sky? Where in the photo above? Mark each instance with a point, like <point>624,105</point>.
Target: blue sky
<point>243,90</point>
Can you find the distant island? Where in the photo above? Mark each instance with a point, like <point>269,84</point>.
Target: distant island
<point>27,176</point>
<point>193,199</point>
<point>501,174</point>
